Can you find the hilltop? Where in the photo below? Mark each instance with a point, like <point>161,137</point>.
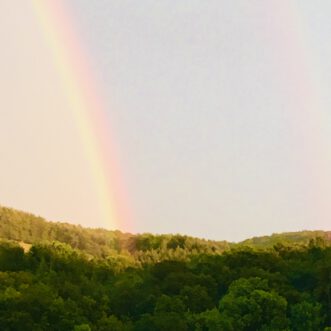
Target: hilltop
<point>30,229</point>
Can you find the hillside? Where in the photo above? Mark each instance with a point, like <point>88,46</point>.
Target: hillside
<point>61,277</point>
<point>28,228</point>
<point>24,227</point>
<point>287,238</point>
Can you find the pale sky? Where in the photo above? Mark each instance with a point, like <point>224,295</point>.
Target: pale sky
<point>221,113</point>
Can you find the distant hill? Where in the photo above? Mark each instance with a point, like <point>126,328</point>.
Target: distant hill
<point>30,229</point>
<point>287,238</point>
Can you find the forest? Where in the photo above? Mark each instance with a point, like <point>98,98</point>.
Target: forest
<point>57,276</point>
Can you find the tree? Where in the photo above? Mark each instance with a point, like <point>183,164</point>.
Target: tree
<point>111,323</point>
<point>166,304</point>
<point>196,298</point>
<point>307,316</point>
<point>11,257</point>
<point>250,305</point>
<point>82,327</point>
<point>211,320</point>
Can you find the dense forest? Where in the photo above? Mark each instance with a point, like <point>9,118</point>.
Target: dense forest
<point>57,276</point>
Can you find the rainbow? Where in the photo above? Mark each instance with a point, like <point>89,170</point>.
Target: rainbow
<point>88,107</point>
<point>294,64</point>
<point>297,67</point>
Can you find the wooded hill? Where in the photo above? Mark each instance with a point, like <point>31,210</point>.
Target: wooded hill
<point>56,276</point>
<point>25,227</point>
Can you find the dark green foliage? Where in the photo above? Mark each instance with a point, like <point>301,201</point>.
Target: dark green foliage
<point>76,279</point>
<point>251,305</point>
<point>307,316</point>
<point>11,256</point>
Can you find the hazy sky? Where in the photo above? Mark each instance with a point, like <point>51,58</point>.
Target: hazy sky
<point>221,112</point>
